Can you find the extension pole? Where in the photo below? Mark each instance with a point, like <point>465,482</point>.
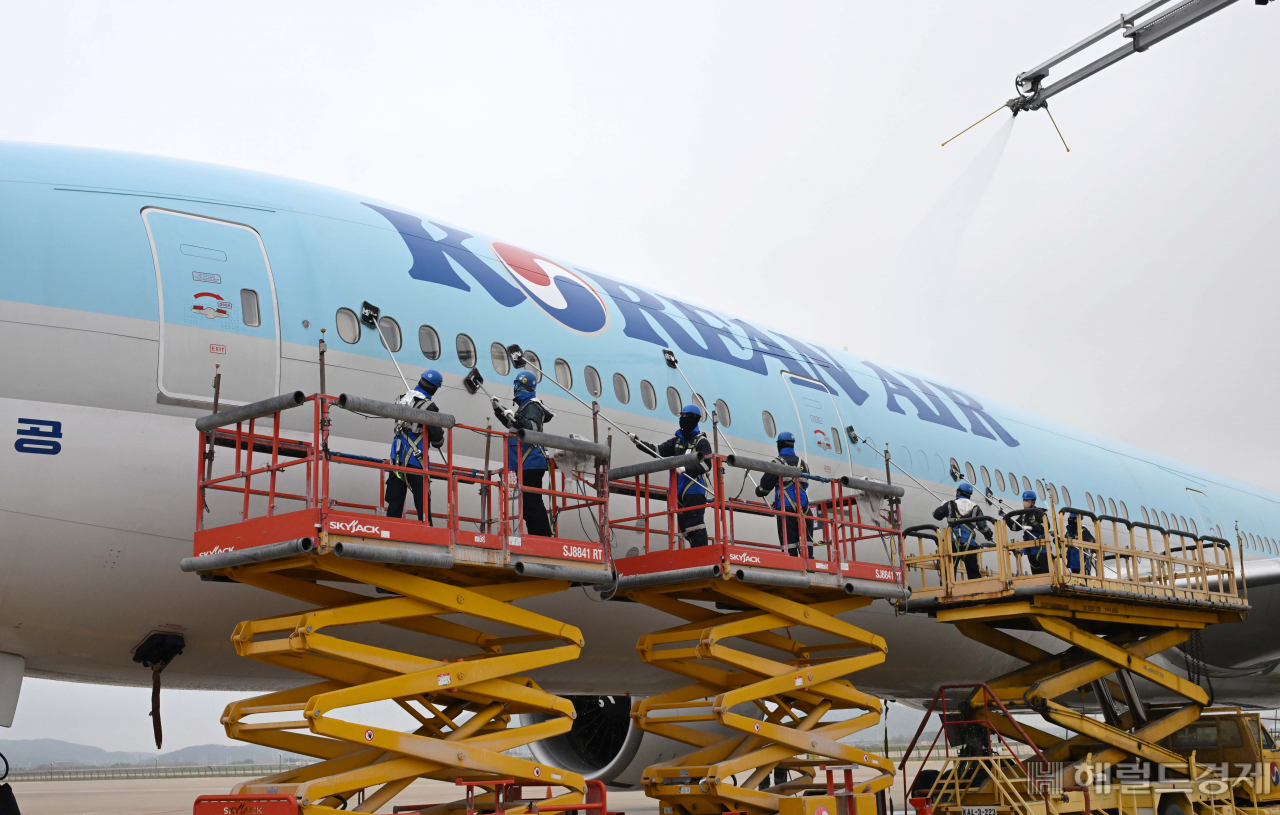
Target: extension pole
<point>672,362</point>
<point>594,410</point>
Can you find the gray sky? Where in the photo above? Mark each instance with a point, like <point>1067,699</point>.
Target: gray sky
<point>741,153</point>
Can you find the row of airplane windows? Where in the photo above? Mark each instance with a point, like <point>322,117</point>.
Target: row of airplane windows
<point>349,330</point>
<point>348,325</point>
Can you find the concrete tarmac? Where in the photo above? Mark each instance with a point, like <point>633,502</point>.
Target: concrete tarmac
<point>169,796</point>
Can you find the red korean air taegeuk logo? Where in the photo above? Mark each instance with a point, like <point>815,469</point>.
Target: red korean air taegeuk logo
<point>560,292</point>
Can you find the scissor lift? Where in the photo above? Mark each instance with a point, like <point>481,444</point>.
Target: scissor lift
<point>297,531</point>
<point>1115,602</point>
<point>746,601</point>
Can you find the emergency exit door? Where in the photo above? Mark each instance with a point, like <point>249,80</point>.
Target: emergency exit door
<point>819,426</point>
<point>217,307</point>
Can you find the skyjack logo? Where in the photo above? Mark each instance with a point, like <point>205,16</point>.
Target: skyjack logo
<point>742,557</point>
<point>217,550</point>
<point>356,528</point>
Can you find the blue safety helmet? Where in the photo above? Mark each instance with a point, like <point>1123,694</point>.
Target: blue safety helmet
<point>691,408</point>
<point>1029,495</point>
<point>964,488</point>
<point>526,381</point>
<point>430,381</point>
<point>786,439</point>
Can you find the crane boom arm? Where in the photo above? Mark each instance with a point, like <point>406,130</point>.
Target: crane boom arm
<point>1033,94</point>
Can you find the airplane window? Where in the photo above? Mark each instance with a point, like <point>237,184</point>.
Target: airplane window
<point>673,401</point>
<point>249,308</point>
<point>1111,504</point>
<point>770,429</point>
<point>621,389</point>
<point>968,470</point>
<point>986,476</point>
<point>1124,511</point>
<point>500,358</point>
<point>348,325</point>
<point>904,458</point>
<point>1013,482</point>
<point>955,470</point>
<point>1194,529</point>
<point>466,351</point>
<point>1164,520</point>
<point>1146,519</point>
<point>1000,480</point>
<point>722,413</point>
<point>1066,496</point>
<point>390,331</point>
<point>648,394</point>
<point>535,364</point>
<point>1026,483</point>
<point>1183,520</point>
<point>1088,496</point>
<point>592,377</point>
<point>1053,493</point>
<point>920,457</point>
<point>1040,493</point>
<point>564,375</point>
<point>701,402</point>
<point>835,439</point>
<point>1252,543</point>
<point>429,342</point>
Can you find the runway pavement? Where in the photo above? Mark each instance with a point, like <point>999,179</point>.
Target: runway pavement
<point>169,796</point>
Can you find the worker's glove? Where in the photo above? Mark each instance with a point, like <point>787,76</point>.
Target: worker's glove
<point>438,444</point>
<point>761,492</point>
<point>504,415</point>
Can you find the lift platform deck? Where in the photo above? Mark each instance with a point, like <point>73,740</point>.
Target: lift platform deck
<point>761,642</point>
<point>281,514</point>
<point>1117,594</point>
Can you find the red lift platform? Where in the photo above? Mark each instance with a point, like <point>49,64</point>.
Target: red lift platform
<point>282,511</point>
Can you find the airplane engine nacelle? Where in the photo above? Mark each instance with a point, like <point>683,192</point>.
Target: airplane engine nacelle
<point>604,744</point>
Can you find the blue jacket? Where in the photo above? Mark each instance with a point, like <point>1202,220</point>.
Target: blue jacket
<point>530,415</point>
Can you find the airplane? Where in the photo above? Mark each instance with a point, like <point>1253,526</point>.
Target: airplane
<point>125,279</point>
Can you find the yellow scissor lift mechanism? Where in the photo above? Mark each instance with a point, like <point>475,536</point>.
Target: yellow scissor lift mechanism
<point>1115,602</point>
<point>361,572</point>
<point>762,646</point>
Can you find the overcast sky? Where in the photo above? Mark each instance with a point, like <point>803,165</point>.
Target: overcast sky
<point>776,161</point>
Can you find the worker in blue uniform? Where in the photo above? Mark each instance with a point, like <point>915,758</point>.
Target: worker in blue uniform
<point>1075,531</point>
<point>790,496</point>
<point>407,449</point>
<point>964,532</point>
<point>529,414</point>
<point>691,484</point>
<point>1032,525</point>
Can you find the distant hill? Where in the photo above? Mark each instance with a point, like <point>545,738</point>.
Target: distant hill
<point>35,753</point>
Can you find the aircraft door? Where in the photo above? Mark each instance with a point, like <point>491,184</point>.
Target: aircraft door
<point>1208,519</point>
<point>818,426</point>
<point>217,307</point>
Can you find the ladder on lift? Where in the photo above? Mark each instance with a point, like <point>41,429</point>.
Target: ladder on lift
<point>1114,599</point>
<point>779,711</point>
<point>353,567</point>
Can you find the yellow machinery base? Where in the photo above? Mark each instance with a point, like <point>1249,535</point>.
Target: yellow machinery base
<point>465,707</point>
<point>773,709</point>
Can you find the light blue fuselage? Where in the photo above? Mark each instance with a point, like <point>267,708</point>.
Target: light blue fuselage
<point>94,246</point>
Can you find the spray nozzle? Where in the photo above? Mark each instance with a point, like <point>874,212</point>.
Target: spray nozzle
<point>473,381</point>
<point>670,357</point>
<point>369,314</point>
